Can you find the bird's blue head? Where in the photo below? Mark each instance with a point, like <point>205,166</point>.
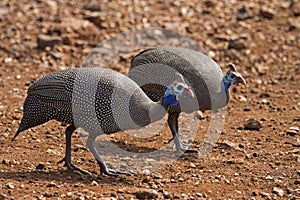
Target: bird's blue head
<point>175,92</point>
<point>232,77</point>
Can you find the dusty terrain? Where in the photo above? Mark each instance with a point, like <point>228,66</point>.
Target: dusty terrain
<point>261,38</point>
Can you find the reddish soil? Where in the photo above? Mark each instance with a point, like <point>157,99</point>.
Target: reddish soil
<point>261,38</point>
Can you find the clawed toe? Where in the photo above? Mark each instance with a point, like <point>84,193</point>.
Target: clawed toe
<point>184,148</point>
<point>62,160</point>
<point>111,172</point>
<point>72,167</point>
<point>191,151</point>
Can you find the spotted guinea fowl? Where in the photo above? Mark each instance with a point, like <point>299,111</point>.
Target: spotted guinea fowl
<point>210,85</point>
<point>98,100</point>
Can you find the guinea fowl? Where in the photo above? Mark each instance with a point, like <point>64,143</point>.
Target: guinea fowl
<point>205,77</point>
<point>98,100</point>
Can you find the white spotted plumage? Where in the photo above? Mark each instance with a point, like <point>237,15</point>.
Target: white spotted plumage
<point>101,101</point>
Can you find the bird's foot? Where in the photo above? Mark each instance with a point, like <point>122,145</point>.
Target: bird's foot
<point>72,167</point>
<point>111,172</point>
<point>182,147</point>
<point>189,150</point>
<point>186,149</point>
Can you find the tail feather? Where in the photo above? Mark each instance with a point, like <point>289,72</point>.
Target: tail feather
<point>17,133</point>
<point>34,114</point>
<point>21,128</point>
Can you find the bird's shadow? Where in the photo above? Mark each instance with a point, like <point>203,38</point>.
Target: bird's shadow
<point>65,176</point>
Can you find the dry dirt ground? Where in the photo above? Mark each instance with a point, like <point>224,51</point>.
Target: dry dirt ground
<point>260,37</point>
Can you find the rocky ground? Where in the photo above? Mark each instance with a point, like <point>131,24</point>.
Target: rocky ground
<point>260,37</point>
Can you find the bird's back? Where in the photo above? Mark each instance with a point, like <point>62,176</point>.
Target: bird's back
<point>200,72</point>
<point>96,99</point>
<point>105,101</point>
<point>54,90</point>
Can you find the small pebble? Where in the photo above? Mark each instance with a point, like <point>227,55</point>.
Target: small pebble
<point>292,131</point>
<point>94,183</point>
<point>211,54</point>
<point>278,191</point>
<point>265,194</point>
<point>181,179</point>
<point>192,165</point>
<point>69,194</point>
<point>252,124</point>
<point>18,76</point>
<point>269,177</point>
<point>40,166</point>
<point>12,162</point>
<point>242,98</point>
<point>10,186</point>
<point>47,194</point>
<point>147,194</point>
<point>166,195</point>
<point>289,190</point>
<point>264,101</point>
<point>267,13</point>
<point>51,184</point>
<point>8,60</point>
<point>3,196</point>
<point>157,175</point>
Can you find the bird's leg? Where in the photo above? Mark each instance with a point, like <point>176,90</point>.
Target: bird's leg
<point>173,124</point>
<point>90,143</point>
<point>67,159</point>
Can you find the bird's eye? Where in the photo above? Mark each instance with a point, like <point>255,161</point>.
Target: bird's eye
<point>179,87</point>
<point>231,76</point>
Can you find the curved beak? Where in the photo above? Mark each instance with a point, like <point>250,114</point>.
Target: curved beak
<point>188,92</point>
<point>241,80</point>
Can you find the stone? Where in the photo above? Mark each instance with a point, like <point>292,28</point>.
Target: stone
<point>210,3</point>
<point>94,183</point>
<point>4,10</point>
<point>252,124</point>
<point>92,6</point>
<point>146,194</point>
<point>265,194</point>
<point>267,13</point>
<point>227,145</point>
<point>5,162</point>
<point>3,197</point>
<point>242,98</point>
<point>289,190</point>
<point>47,194</point>
<point>157,175</point>
<point>236,44</point>
<point>211,54</point>
<point>48,41</point>
<point>295,8</point>
<point>243,13</point>
<point>166,195</point>
<point>269,177</point>
<point>192,165</point>
<point>10,186</point>
<point>18,77</point>
<point>278,191</point>
<point>95,18</point>
<point>40,166</point>
<point>261,69</point>
<point>8,60</point>
<point>69,194</point>
<point>292,131</point>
